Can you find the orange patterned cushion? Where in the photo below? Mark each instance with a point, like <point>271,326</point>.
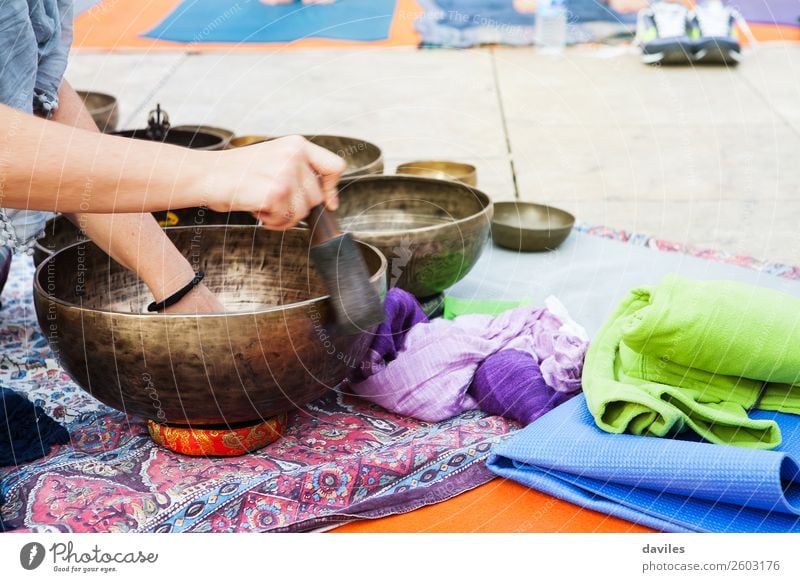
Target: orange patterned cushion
<point>217,442</point>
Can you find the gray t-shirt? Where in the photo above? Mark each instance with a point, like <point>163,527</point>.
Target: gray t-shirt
<point>35,37</point>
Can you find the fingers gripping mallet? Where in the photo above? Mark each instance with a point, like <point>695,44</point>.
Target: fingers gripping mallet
<point>357,305</point>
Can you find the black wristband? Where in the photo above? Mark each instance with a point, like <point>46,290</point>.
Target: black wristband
<point>178,295</point>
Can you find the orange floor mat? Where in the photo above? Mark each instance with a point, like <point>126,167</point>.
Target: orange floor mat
<point>116,25</point>
<point>770,32</point>
<point>500,506</point>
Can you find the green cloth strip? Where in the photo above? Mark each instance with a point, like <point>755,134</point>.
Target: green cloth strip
<point>455,306</point>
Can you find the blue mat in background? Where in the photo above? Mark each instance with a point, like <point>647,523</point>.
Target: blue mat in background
<point>233,21</point>
<point>668,484</point>
<point>465,23</point>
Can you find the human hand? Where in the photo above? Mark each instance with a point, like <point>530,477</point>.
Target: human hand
<point>279,181</point>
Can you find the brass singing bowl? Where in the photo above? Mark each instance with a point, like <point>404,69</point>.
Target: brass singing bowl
<point>431,231</point>
<point>60,232</point>
<point>273,351</point>
<point>525,226</point>
<point>103,109</point>
<point>225,134</point>
<point>441,169</point>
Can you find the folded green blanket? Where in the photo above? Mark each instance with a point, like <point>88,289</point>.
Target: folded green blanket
<point>697,355</point>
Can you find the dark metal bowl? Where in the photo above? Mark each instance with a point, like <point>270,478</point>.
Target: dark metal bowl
<point>59,232</point>
<point>431,231</point>
<point>273,351</point>
<point>225,134</point>
<point>196,140</point>
<point>525,226</point>
<point>103,109</point>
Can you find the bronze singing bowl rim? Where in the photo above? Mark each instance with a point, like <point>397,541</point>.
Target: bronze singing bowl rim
<point>456,171</point>
<point>483,199</point>
<point>40,249</point>
<point>38,289</point>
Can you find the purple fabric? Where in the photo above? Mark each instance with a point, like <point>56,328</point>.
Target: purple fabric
<point>510,383</point>
<point>435,365</point>
<point>403,311</point>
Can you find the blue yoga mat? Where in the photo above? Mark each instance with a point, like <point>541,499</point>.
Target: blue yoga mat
<point>202,21</point>
<point>668,484</point>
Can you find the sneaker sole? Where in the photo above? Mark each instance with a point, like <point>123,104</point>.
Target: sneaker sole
<point>719,51</point>
<point>668,52</point>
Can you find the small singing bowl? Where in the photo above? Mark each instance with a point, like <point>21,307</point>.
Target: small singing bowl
<point>441,169</point>
<point>103,109</point>
<point>524,226</point>
<point>225,134</point>
<point>241,141</point>
<point>273,351</point>
<point>60,232</point>
<point>431,231</point>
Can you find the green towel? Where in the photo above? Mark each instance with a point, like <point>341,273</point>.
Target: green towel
<point>697,355</point>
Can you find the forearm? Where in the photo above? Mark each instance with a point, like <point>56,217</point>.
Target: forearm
<point>92,172</point>
<point>136,241</point>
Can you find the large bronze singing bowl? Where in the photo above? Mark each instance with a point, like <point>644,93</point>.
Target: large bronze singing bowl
<point>431,231</point>
<point>272,352</point>
<point>60,232</point>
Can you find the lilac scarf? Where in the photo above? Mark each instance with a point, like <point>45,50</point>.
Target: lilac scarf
<point>429,371</point>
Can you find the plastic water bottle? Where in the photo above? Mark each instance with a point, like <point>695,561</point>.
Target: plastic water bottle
<point>551,25</point>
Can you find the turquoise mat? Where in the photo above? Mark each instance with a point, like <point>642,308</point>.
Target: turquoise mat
<point>233,21</point>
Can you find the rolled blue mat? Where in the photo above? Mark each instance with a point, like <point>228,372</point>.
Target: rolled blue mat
<point>668,484</point>
<point>201,21</point>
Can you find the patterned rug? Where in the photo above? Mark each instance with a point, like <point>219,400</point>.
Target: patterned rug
<point>340,459</point>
